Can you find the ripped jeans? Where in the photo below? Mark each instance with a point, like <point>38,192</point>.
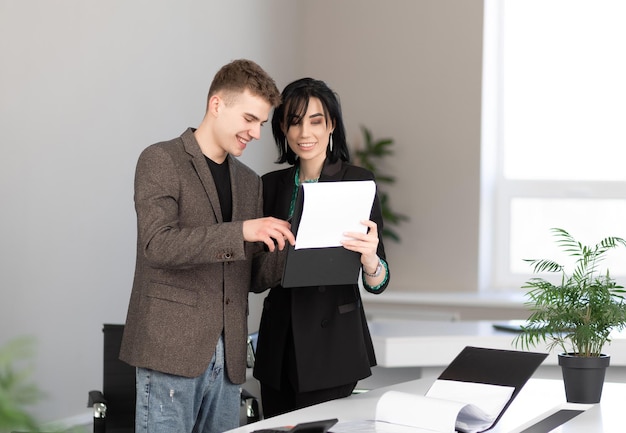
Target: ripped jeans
<point>208,403</point>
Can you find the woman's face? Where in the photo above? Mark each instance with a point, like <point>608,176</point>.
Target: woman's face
<point>309,137</point>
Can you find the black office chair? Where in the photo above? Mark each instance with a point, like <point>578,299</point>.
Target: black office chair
<point>251,411</point>
<point>114,405</point>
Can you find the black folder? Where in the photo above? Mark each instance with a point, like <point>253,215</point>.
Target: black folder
<point>318,266</point>
<point>494,367</point>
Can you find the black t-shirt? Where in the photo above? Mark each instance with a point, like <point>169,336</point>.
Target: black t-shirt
<point>221,177</point>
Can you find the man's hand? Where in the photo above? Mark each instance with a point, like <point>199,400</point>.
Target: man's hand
<point>269,230</point>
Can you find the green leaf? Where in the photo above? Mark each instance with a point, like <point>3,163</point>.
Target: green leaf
<point>368,157</point>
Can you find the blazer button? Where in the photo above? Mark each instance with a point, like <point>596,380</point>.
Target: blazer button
<point>227,301</point>
<point>324,323</point>
<point>228,256</point>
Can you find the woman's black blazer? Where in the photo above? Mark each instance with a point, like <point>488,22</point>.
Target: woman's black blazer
<point>330,335</point>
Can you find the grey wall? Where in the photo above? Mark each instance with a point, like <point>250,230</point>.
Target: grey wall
<point>86,85</point>
<point>411,70</point>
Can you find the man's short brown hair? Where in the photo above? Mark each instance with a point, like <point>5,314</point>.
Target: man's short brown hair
<point>240,75</point>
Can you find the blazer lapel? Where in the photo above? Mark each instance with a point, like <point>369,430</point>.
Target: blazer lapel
<point>204,172</point>
<point>331,171</point>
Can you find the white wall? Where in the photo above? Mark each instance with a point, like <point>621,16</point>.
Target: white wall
<point>85,85</point>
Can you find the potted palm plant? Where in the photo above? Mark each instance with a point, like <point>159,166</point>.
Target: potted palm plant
<point>369,156</point>
<point>576,315</point>
<point>16,389</point>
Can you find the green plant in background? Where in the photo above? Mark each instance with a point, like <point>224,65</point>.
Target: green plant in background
<point>16,389</point>
<point>578,314</point>
<point>367,157</point>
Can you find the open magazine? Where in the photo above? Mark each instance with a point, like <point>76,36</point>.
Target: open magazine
<point>448,406</point>
<point>470,396</point>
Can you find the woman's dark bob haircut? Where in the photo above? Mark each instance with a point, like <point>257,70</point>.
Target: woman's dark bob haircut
<point>295,102</point>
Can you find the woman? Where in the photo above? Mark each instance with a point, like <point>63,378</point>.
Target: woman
<point>314,344</point>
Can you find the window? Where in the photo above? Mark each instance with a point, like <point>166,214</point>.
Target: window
<point>554,132</point>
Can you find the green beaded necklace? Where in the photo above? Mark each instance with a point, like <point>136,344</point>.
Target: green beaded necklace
<point>296,182</point>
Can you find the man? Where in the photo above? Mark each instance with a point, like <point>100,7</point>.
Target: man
<point>199,225</point>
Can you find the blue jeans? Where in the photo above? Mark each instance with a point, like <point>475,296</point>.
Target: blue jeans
<point>208,403</point>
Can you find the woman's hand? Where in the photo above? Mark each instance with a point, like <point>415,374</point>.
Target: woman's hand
<point>366,244</point>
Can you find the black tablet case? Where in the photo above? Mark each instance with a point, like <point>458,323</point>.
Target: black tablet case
<point>318,266</point>
<point>494,367</point>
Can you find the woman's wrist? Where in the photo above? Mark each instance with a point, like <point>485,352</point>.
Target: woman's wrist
<point>376,272</point>
<point>375,284</point>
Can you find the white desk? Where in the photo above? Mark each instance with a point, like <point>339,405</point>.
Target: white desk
<point>421,343</point>
<point>538,399</point>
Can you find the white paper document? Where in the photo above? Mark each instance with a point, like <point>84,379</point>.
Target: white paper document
<point>483,402</point>
<point>331,209</point>
<point>448,406</point>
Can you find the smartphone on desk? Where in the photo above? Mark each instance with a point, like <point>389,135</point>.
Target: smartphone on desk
<point>321,426</point>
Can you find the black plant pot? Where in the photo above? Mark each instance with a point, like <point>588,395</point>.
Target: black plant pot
<point>583,377</point>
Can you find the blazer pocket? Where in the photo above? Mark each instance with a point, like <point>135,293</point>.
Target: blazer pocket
<point>171,293</point>
<point>346,308</point>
